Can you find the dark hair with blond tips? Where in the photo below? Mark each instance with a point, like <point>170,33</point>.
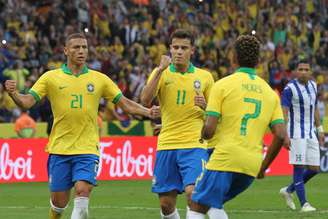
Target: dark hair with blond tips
<point>247,50</point>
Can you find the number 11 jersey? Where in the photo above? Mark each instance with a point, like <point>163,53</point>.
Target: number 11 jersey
<point>182,121</point>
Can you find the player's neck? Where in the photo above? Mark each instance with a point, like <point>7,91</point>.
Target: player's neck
<point>75,68</point>
<point>303,82</point>
<point>182,67</point>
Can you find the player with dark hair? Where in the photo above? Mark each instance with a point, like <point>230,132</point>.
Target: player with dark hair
<point>240,108</point>
<point>182,90</point>
<point>74,92</point>
<point>299,103</point>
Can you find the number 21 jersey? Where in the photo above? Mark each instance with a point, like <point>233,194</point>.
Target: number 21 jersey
<point>74,102</point>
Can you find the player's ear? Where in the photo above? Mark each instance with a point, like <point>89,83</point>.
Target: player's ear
<point>192,50</point>
<point>65,50</point>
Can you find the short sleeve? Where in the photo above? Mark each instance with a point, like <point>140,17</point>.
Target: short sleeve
<point>286,97</point>
<point>111,92</point>
<point>39,89</point>
<point>277,116</point>
<point>214,106</point>
<point>210,83</point>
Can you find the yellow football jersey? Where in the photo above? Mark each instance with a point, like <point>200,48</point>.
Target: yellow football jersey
<point>246,105</point>
<point>182,121</point>
<point>74,102</point>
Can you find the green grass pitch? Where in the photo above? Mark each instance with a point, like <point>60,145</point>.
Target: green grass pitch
<point>133,200</point>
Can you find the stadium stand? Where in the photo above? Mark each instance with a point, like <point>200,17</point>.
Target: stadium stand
<point>128,37</point>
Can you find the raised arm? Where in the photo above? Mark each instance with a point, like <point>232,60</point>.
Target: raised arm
<point>149,91</point>
<point>24,101</point>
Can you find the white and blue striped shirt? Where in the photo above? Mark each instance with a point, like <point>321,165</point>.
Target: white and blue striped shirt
<point>301,100</point>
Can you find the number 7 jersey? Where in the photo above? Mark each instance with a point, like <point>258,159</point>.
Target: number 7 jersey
<point>74,102</point>
<point>182,121</point>
<point>245,105</point>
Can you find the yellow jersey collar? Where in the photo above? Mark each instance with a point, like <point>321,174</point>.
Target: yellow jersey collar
<point>68,71</point>
<point>191,69</point>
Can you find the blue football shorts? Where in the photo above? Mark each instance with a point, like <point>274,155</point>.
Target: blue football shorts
<point>176,169</point>
<point>214,188</point>
<point>65,170</point>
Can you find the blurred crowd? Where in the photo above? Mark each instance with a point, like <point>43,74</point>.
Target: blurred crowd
<point>127,38</point>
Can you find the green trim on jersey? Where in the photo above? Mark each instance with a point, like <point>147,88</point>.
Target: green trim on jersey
<point>277,121</point>
<point>66,70</point>
<point>250,71</point>
<point>117,98</point>
<point>191,69</point>
<point>35,95</point>
<point>212,113</point>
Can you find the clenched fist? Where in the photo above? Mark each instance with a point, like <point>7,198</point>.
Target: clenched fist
<point>10,86</point>
<point>155,112</point>
<point>200,100</point>
<point>165,62</point>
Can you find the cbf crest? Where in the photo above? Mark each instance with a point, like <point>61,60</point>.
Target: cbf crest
<point>90,87</point>
<point>197,85</point>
